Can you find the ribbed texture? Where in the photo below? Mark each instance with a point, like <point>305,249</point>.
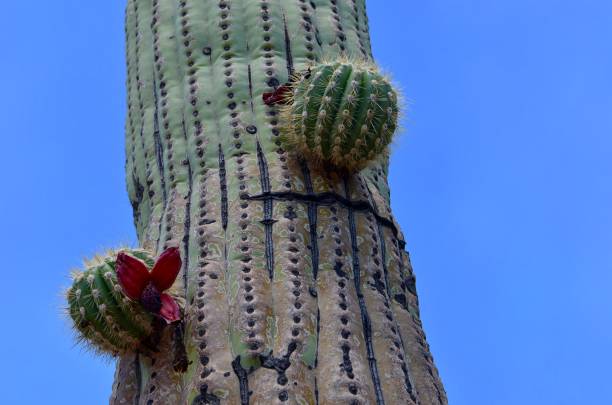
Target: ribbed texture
<point>340,115</point>
<point>296,285</point>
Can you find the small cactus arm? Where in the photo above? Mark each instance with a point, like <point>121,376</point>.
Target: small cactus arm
<point>105,319</point>
<point>296,284</point>
<point>116,305</point>
<point>340,114</point>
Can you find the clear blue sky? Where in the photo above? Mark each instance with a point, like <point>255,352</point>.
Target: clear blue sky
<point>502,183</point>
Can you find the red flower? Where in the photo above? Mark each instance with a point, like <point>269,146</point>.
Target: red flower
<point>278,96</point>
<point>148,287</point>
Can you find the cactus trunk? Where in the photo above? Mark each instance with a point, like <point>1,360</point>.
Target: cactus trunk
<point>297,285</point>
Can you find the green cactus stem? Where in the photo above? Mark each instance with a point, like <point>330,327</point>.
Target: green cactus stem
<point>342,114</point>
<point>104,317</point>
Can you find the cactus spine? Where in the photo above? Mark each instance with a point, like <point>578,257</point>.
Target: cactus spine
<point>341,113</point>
<point>296,282</point>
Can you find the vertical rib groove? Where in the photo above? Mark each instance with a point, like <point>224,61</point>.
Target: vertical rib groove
<point>159,148</point>
<point>138,377</point>
<point>223,184</point>
<point>288,54</point>
<point>187,225</point>
<point>268,203</point>
<point>312,220</point>
<point>365,317</point>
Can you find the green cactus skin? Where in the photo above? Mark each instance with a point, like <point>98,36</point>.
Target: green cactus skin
<point>340,113</point>
<point>297,286</point>
<point>104,318</point>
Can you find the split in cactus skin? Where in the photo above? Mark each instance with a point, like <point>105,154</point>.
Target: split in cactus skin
<point>148,287</point>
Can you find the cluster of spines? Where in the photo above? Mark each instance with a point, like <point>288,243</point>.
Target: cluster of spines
<point>342,114</point>
<point>104,319</point>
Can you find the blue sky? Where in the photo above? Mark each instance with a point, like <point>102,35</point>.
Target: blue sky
<point>501,183</point>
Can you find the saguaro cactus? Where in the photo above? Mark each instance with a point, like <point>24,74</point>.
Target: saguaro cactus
<point>296,282</point>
